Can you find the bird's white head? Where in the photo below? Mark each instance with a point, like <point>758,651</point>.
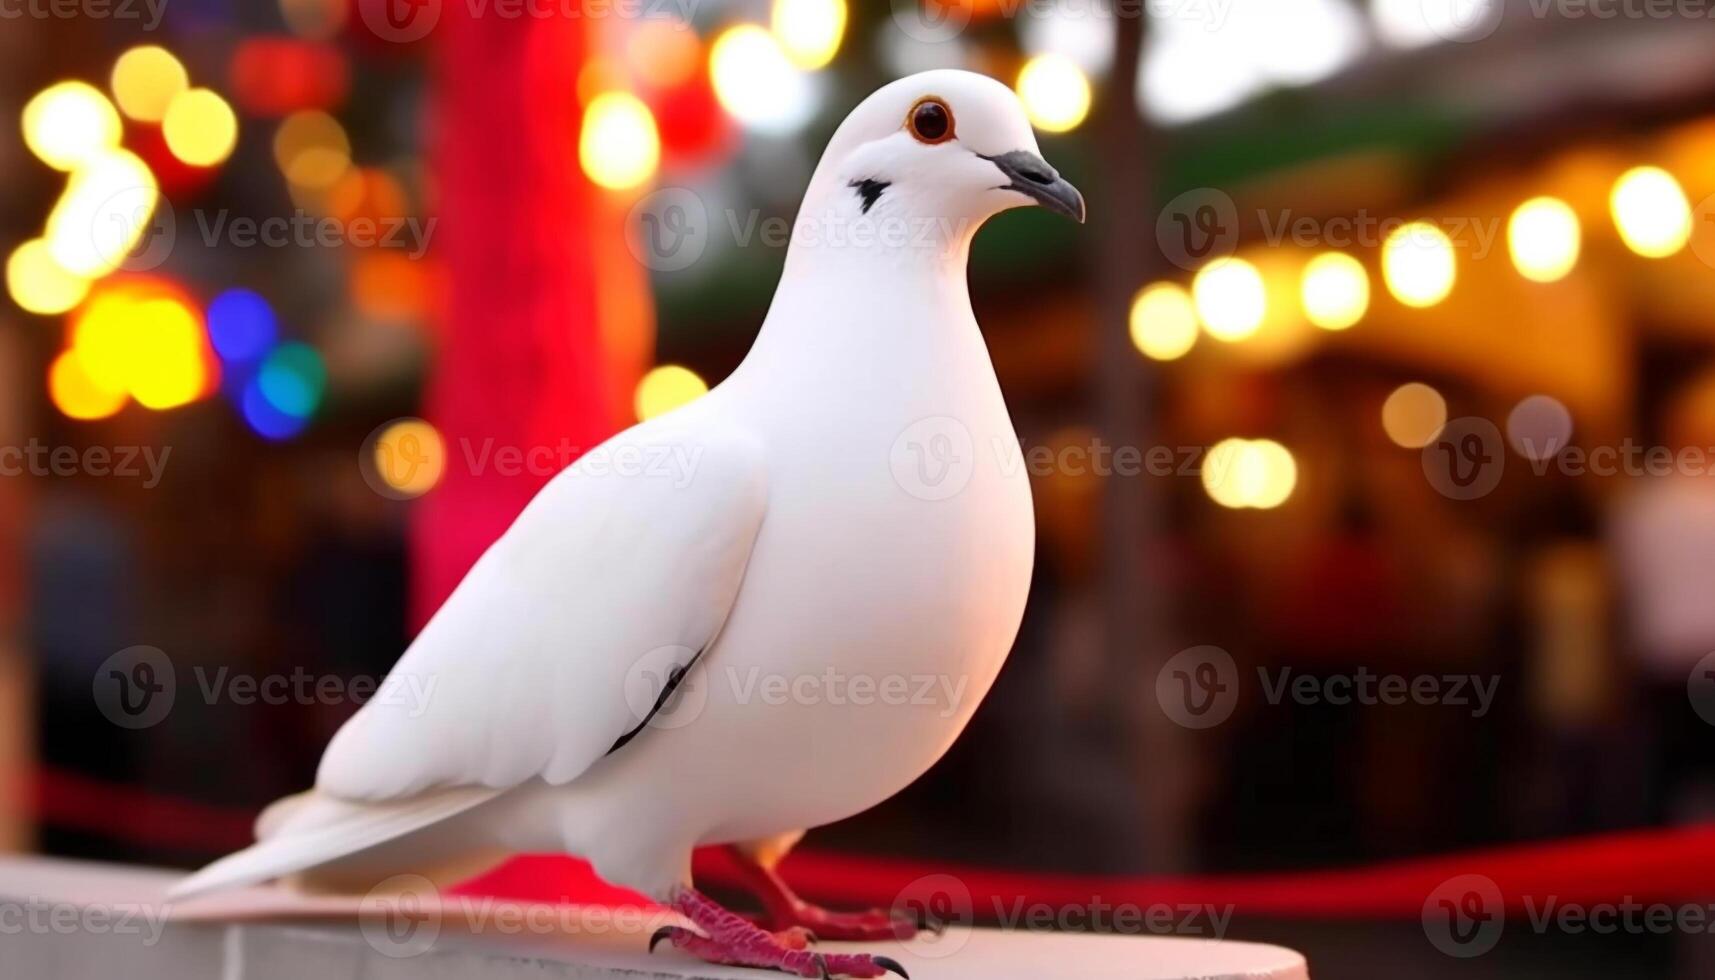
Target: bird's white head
<point>945,146</point>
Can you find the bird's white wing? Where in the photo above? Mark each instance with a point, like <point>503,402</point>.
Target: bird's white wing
<point>560,642</point>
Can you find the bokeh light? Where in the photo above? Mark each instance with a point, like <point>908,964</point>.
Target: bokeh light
<point>106,210</point>
<point>317,20</point>
<point>293,379</point>
<point>1230,298</point>
<point>169,366</point>
<point>241,326</point>
<point>756,83</point>
<point>409,456</point>
<point>145,81</point>
<point>1543,237</point>
<point>1417,264</point>
<point>1651,212</point>
<point>312,149</point>
<point>809,31</point>
<point>1539,427</point>
<point>1163,321</point>
<point>76,395</point>
<point>1335,291</point>
<point>1254,473</point>
<point>200,128</point>
<point>39,284</point>
<point>1055,92</point>
<point>666,388</point>
<point>70,124</point>
<point>1416,23</point>
<point>264,418</point>
<point>619,147</point>
<point>143,341</point>
<point>1413,415</point>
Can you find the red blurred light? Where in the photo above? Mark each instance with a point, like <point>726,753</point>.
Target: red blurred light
<point>275,76</point>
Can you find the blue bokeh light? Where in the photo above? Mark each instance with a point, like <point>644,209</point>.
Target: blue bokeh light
<point>242,326</point>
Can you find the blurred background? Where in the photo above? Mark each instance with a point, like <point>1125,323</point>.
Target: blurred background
<point>1385,364</point>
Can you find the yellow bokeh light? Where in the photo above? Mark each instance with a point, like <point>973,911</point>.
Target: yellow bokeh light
<point>106,210</point>
<point>410,457</point>
<point>312,150</point>
<point>1255,473</point>
<point>75,395</point>
<point>200,128</point>
<point>1335,291</point>
<point>38,284</point>
<point>1417,264</point>
<point>666,388</point>
<point>149,346</point>
<point>1230,298</point>
<point>619,147</point>
<point>69,124</point>
<point>1055,92</point>
<point>104,341</point>
<point>1651,212</point>
<point>1543,237</point>
<point>1163,321</point>
<point>809,30</point>
<point>1413,415</point>
<point>146,80</point>
<point>172,369</point>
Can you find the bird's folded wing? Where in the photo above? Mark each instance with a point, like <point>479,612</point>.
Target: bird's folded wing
<point>561,640</point>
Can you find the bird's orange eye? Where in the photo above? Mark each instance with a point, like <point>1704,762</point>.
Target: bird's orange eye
<point>930,121</point>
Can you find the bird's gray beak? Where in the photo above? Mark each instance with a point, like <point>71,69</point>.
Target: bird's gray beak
<point>1031,176</point>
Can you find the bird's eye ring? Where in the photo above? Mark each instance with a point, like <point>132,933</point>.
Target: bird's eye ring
<point>930,121</point>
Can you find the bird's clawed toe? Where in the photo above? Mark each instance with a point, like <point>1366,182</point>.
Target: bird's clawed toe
<point>891,965</point>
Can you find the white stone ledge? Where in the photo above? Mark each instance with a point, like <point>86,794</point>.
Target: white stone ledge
<point>62,920</point>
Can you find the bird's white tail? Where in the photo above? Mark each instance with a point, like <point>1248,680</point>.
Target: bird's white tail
<point>311,829</point>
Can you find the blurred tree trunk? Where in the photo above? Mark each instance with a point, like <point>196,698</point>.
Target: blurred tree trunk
<point>544,320</point>
<point>1137,607</point>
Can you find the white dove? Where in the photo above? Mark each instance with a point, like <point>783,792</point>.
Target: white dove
<point>768,610</point>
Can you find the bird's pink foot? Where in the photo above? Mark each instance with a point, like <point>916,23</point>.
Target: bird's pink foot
<point>724,937</point>
<point>784,909</point>
<point>870,926</point>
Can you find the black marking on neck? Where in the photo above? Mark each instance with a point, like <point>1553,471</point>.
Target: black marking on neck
<point>870,190</point>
